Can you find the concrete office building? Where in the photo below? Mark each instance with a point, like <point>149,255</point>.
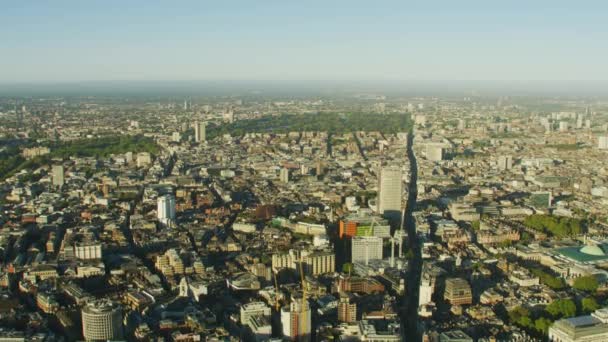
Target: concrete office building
<point>366,248</point>
<point>390,192</point>
<point>102,321</point>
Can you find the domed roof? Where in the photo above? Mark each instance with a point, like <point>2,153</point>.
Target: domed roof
<point>593,250</point>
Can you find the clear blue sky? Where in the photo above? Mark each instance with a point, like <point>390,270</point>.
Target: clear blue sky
<point>303,40</point>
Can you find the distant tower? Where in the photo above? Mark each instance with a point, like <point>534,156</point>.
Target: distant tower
<point>347,311</point>
<point>102,321</point>
<point>505,163</point>
<point>390,191</point>
<point>166,210</point>
<point>58,176</point>
<point>200,134</point>
<point>284,176</point>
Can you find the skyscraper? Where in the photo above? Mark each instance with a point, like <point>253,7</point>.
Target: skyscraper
<point>296,321</point>
<point>602,143</point>
<point>58,179</point>
<point>200,134</point>
<point>390,191</point>
<point>102,321</point>
<point>166,209</point>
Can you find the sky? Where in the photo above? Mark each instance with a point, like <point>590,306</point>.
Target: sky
<point>145,40</point>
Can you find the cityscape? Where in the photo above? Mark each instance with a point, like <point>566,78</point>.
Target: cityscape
<point>321,204</point>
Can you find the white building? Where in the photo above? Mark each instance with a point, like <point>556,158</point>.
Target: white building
<point>390,190</point>
<point>366,248</point>
<point>166,210</point>
<point>590,328</point>
<point>434,152</point>
<point>253,309</point>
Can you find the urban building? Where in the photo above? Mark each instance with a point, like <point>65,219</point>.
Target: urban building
<point>102,321</point>
<point>166,210</point>
<point>458,291</point>
<point>366,248</point>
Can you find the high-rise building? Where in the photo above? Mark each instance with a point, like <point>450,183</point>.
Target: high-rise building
<point>390,191</point>
<point>563,126</point>
<point>200,131</point>
<point>284,175</point>
<point>102,321</point>
<point>434,152</point>
<point>458,291</point>
<point>365,248</point>
<point>505,163</point>
<point>347,311</point>
<point>602,143</point>
<point>295,320</point>
<point>166,210</point>
<point>58,179</point>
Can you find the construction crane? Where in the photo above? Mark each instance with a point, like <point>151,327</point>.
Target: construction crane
<point>277,305</point>
<point>303,304</point>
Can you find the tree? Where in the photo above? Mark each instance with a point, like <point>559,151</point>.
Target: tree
<point>521,316</point>
<point>586,283</point>
<point>589,305</point>
<point>562,308</point>
<point>542,325</point>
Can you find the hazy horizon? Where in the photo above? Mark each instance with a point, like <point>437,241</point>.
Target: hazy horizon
<point>75,41</point>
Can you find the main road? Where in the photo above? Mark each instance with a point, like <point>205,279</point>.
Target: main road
<point>409,316</point>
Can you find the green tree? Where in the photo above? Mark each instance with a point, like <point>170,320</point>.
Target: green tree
<point>589,305</point>
<point>562,308</point>
<point>586,283</point>
<point>542,325</point>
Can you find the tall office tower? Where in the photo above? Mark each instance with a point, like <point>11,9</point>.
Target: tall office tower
<point>390,192</point>
<point>505,163</point>
<point>102,321</point>
<point>347,311</point>
<point>284,176</point>
<point>58,179</point>
<point>563,126</point>
<point>579,121</point>
<point>200,134</point>
<point>461,124</point>
<point>296,321</point>
<point>602,143</point>
<point>366,248</point>
<point>166,209</point>
<point>434,152</point>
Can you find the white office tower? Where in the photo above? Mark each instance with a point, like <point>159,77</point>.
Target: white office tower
<point>295,320</point>
<point>505,163</point>
<point>366,248</point>
<point>284,175</point>
<point>200,131</point>
<point>563,126</point>
<point>434,152</point>
<point>58,179</point>
<point>579,121</point>
<point>166,210</point>
<point>176,137</point>
<point>426,291</point>
<point>390,191</point>
<point>102,321</point>
<point>602,143</point>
